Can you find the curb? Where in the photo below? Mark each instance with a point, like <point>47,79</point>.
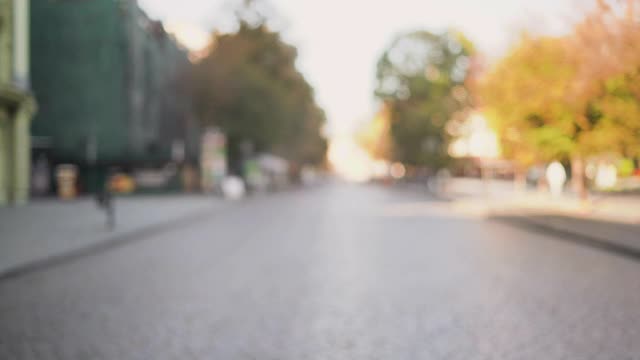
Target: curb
<point>616,238</point>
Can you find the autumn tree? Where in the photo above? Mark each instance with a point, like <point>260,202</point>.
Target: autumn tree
<point>375,135</point>
<point>527,99</point>
<point>570,97</point>
<point>607,41</point>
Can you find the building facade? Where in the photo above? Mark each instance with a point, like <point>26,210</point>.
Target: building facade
<point>16,103</point>
<point>109,83</point>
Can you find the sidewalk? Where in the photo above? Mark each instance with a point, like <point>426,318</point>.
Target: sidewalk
<point>611,221</point>
<point>46,229</point>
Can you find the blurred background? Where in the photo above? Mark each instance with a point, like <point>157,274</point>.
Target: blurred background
<point>291,179</point>
<point>157,97</point>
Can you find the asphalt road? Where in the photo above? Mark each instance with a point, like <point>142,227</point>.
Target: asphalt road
<point>335,272</point>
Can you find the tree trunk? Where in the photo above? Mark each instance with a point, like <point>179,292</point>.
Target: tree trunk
<point>542,179</point>
<point>578,178</point>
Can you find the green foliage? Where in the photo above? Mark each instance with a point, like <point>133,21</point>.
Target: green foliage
<point>551,142</point>
<point>625,167</point>
<point>420,78</point>
<point>248,86</point>
<point>616,122</point>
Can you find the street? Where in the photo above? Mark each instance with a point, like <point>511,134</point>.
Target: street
<point>338,271</point>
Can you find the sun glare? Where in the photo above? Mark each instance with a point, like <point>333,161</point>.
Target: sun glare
<point>192,37</point>
<point>349,160</point>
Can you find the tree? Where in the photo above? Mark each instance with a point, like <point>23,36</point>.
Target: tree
<point>570,97</point>
<point>526,96</point>
<point>606,41</point>
<point>248,86</point>
<point>421,81</point>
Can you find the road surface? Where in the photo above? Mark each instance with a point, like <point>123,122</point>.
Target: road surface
<point>335,272</point>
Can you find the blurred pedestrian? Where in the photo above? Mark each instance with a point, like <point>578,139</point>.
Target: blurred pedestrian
<point>556,177</point>
<point>105,200</point>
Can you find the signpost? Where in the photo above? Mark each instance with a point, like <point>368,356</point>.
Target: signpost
<point>213,159</point>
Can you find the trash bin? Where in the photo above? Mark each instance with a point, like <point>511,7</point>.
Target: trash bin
<point>66,175</point>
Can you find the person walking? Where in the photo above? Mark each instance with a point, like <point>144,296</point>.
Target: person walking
<point>105,201</point>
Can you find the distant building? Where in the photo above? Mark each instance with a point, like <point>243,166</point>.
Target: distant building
<point>16,103</point>
<point>111,87</point>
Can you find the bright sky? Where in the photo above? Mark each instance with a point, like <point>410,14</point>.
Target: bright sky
<point>340,41</point>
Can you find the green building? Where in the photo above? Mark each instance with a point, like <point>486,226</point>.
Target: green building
<point>110,88</point>
<point>16,103</point>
